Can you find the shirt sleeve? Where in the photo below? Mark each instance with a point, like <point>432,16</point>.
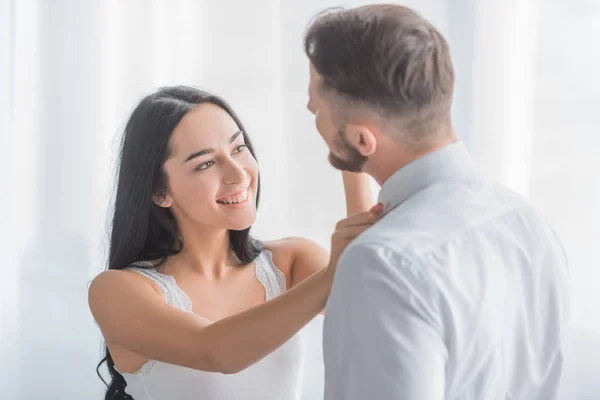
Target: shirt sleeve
<point>382,332</point>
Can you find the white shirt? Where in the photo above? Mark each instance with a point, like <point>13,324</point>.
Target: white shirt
<point>458,292</point>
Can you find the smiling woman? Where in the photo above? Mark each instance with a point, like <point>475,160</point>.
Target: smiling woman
<point>192,306</point>
<point>210,166</point>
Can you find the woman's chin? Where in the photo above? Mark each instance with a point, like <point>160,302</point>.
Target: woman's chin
<point>242,223</point>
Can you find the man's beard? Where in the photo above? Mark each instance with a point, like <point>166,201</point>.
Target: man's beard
<point>350,160</point>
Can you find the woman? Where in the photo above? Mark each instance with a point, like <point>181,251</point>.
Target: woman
<point>191,306</point>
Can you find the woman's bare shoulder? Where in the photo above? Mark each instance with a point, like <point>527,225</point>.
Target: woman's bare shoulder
<point>297,257</point>
<point>108,282</point>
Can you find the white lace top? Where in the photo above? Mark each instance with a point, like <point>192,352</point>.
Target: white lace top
<point>278,376</point>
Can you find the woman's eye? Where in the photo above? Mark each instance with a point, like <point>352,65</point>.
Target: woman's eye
<point>240,148</point>
<point>204,165</point>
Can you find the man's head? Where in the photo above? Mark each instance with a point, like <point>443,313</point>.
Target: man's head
<point>381,80</point>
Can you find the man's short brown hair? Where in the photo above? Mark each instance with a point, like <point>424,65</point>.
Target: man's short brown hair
<point>388,59</point>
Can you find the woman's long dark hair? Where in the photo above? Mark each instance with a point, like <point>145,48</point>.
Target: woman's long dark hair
<point>140,229</point>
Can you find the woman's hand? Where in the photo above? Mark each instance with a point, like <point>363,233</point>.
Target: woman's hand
<point>347,230</point>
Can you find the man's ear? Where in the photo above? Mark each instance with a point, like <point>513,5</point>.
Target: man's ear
<point>362,138</point>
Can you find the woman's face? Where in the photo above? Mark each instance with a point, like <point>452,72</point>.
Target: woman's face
<point>212,176</point>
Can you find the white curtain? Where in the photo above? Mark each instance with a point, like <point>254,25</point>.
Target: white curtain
<point>536,122</point>
<point>71,72</point>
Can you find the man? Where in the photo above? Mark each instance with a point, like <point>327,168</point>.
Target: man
<point>460,290</point>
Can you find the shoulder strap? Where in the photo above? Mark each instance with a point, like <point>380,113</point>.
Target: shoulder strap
<point>174,296</point>
<point>269,275</point>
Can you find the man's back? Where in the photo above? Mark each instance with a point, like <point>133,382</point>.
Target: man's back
<point>459,292</point>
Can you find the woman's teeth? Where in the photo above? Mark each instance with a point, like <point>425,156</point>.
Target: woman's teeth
<point>234,199</point>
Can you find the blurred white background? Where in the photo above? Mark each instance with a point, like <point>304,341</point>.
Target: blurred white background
<point>527,105</point>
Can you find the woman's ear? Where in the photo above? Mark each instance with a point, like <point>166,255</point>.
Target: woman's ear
<point>164,201</point>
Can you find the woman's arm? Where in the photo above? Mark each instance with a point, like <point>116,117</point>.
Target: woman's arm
<point>307,257</point>
<point>132,314</point>
<point>357,189</point>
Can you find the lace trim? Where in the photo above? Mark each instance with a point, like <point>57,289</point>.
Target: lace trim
<point>144,369</point>
<point>261,275</point>
<point>165,282</point>
<point>171,291</point>
<point>279,276</point>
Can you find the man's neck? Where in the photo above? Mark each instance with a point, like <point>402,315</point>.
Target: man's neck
<point>391,158</point>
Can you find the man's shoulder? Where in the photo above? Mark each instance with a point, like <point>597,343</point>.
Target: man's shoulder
<point>382,257</point>
<point>400,232</point>
<point>437,216</point>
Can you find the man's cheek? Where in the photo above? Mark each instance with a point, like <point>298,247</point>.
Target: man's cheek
<point>319,126</point>
<point>322,128</point>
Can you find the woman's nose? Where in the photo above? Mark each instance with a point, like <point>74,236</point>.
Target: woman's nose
<point>234,174</point>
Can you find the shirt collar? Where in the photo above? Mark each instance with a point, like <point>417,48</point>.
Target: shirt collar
<point>438,166</point>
